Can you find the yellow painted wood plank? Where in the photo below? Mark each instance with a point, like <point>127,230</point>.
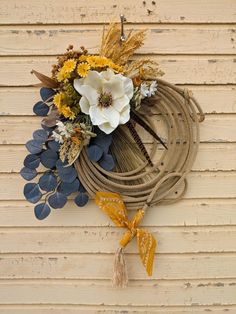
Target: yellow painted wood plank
<point>73,12</point>
<point>178,70</point>
<point>157,293</point>
<point>213,99</point>
<point>206,157</point>
<point>90,309</point>
<point>51,40</point>
<point>106,240</point>
<point>98,266</point>
<point>220,128</point>
<point>192,212</point>
<point>201,185</point>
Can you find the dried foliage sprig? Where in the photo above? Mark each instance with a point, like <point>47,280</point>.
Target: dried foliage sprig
<point>120,52</point>
<point>46,81</point>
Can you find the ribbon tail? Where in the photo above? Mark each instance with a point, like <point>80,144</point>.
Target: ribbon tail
<point>147,245</point>
<point>113,205</point>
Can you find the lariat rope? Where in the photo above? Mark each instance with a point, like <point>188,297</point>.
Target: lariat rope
<point>164,182</point>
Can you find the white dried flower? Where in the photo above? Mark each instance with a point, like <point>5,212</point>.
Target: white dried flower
<point>61,128</point>
<point>148,90</point>
<point>57,137</point>
<point>152,88</point>
<point>144,90</point>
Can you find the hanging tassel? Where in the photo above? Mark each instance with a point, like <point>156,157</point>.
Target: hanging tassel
<point>120,276</point>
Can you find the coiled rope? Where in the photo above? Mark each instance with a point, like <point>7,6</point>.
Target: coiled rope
<point>165,181</point>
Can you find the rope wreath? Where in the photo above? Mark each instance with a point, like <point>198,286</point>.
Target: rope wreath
<point>90,146</point>
<point>182,114</point>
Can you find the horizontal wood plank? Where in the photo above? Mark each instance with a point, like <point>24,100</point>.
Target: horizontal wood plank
<point>93,309</point>
<point>200,185</point>
<point>52,40</point>
<point>160,293</point>
<point>106,240</point>
<point>196,212</point>
<point>93,266</point>
<point>178,69</point>
<point>205,158</point>
<point>215,129</point>
<point>74,12</point>
<point>214,99</point>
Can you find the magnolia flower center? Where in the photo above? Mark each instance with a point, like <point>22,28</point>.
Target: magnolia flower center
<point>105,100</point>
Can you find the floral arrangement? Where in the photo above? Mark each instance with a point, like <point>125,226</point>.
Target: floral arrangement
<point>91,106</point>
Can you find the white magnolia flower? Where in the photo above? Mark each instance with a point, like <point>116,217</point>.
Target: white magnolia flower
<point>105,98</point>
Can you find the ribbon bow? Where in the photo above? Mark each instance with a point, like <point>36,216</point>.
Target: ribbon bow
<point>113,205</point>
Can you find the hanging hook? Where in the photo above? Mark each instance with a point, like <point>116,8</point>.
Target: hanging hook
<point>122,34</point>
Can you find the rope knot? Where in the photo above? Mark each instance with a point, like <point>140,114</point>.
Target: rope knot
<point>132,228</point>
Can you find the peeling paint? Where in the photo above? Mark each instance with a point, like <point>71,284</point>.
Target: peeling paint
<point>212,61</point>
<point>149,11</point>
<point>39,32</point>
<point>53,259</point>
<point>219,284</point>
<point>157,30</point>
<point>187,285</point>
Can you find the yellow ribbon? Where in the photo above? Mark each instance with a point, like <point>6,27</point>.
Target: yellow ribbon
<point>113,205</point>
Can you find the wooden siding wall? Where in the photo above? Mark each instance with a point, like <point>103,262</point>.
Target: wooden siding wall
<point>64,264</point>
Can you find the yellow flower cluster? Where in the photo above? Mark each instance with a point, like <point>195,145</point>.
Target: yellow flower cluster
<point>60,102</point>
<point>65,72</point>
<point>97,62</point>
<point>86,62</point>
